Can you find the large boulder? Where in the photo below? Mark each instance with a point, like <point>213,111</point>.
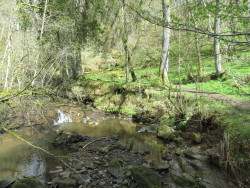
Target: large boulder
<point>191,168</point>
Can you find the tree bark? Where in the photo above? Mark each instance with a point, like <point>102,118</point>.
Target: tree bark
<point>217,28</point>
<point>7,53</point>
<point>200,64</point>
<point>44,18</point>
<point>165,44</point>
<point>129,69</point>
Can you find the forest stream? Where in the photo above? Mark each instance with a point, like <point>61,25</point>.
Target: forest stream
<point>107,151</point>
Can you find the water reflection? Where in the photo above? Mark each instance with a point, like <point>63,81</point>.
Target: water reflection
<point>17,159</point>
<point>128,135</point>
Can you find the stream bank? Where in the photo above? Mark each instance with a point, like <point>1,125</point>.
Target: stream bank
<point>185,118</point>
<point>168,160</point>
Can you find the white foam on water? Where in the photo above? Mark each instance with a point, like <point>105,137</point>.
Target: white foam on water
<point>62,118</point>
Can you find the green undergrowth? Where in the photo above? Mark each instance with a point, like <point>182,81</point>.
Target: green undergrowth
<point>235,83</point>
<point>120,97</point>
<point>230,87</point>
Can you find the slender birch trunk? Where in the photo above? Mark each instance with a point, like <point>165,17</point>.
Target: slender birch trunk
<point>7,53</point>
<point>129,69</point>
<point>6,83</point>
<point>40,39</point>
<point>44,18</point>
<point>217,28</point>
<point>165,43</point>
<point>200,64</point>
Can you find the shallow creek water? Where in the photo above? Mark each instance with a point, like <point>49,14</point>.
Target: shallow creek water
<point>17,159</point>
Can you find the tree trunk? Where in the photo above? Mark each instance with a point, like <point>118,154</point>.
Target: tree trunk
<point>200,64</point>
<point>7,53</point>
<point>217,28</point>
<point>6,84</point>
<point>129,69</point>
<point>43,20</point>
<point>165,44</point>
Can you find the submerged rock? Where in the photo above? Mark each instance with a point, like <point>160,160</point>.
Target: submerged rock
<point>76,138</point>
<point>56,170</point>
<point>61,139</point>
<point>27,183</point>
<point>166,132</point>
<point>5,182</point>
<point>145,177</point>
<point>148,129</point>
<point>66,183</point>
<point>64,138</point>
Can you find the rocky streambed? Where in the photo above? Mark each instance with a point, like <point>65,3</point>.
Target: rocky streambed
<point>93,149</point>
<point>104,162</point>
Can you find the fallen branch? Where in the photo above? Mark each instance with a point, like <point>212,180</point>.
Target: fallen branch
<point>92,142</point>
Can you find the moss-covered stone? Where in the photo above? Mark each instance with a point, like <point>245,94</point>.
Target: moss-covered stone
<point>64,138</point>
<point>145,177</point>
<point>166,132</point>
<point>61,139</point>
<point>27,183</point>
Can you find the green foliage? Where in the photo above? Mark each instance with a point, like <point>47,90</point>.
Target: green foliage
<point>24,18</point>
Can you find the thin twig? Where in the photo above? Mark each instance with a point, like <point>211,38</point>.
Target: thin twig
<point>92,142</point>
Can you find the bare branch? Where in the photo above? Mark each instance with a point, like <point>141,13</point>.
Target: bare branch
<point>184,27</point>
